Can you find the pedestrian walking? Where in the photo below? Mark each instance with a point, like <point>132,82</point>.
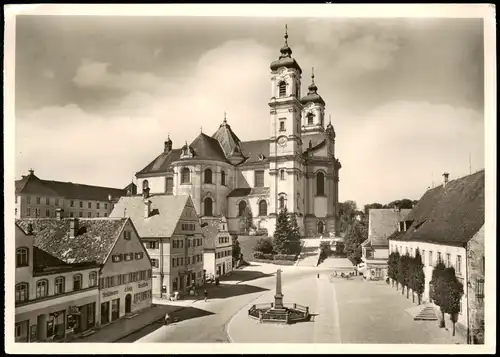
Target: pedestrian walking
<point>167,319</point>
<point>205,293</point>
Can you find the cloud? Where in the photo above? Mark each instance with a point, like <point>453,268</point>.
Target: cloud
<point>353,48</point>
<point>93,74</point>
<point>398,149</point>
<point>390,152</point>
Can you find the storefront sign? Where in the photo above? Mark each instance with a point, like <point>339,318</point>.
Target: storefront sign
<point>128,288</point>
<point>74,310</point>
<point>143,285</point>
<point>109,293</point>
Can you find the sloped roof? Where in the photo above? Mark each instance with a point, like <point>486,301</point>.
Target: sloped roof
<point>227,139</point>
<point>93,243</point>
<point>250,191</point>
<point>31,184</point>
<point>252,150</point>
<point>162,163</point>
<point>383,222</point>
<point>207,148</point>
<point>166,211</point>
<point>450,215</point>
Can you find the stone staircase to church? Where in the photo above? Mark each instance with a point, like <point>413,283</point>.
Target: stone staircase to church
<point>425,312</point>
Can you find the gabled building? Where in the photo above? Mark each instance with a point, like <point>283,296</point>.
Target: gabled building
<point>218,248</point>
<point>37,198</point>
<point>294,165</point>
<point>447,224</point>
<point>64,269</point>
<point>375,249</point>
<point>169,229</point>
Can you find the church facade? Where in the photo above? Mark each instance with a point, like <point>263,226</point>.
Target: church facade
<point>248,182</point>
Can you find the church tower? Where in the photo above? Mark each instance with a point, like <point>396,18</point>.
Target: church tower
<point>286,166</point>
<point>313,115</point>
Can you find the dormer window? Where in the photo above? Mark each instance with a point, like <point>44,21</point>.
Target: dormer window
<point>282,89</point>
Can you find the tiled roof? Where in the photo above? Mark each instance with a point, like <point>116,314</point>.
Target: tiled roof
<point>383,222</point>
<point>166,211</point>
<point>227,139</point>
<point>251,191</point>
<point>31,184</point>
<point>252,150</point>
<point>93,243</point>
<point>207,148</point>
<point>450,215</point>
<point>162,163</point>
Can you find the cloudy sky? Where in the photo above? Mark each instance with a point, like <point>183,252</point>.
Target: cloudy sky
<point>96,96</point>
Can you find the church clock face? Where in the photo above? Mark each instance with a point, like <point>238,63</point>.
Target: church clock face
<point>282,141</point>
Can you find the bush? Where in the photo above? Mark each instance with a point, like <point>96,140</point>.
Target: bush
<point>261,232</point>
<point>258,255</point>
<point>268,256</point>
<point>264,245</point>
<point>291,257</point>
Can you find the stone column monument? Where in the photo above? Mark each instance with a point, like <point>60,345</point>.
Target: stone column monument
<point>278,298</point>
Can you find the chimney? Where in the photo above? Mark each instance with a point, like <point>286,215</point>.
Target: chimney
<point>445,175</point>
<point>147,208</point>
<point>29,229</point>
<point>31,171</point>
<point>59,213</point>
<point>73,227</point>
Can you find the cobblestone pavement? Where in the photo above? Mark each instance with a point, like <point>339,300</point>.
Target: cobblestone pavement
<point>348,311</point>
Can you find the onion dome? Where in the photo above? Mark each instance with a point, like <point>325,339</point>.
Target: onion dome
<point>312,95</point>
<point>285,59</point>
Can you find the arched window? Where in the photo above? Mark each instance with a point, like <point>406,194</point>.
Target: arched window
<point>282,174</point>
<point>223,178</point>
<point>320,184</point>
<point>241,208</point>
<point>185,175</point>
<point>282,202</point>
<point>321,227</point>
<point>208,176</point>
<point>208,206</point>
<point>22,257</point>
<point>263,208</point>
<point>22,292</point>
<point>145,185</point>
<point>59,285</point>
<point>282,89</point>
<point>77,282</point>
<point>42,288</point>
<point>92,279</point>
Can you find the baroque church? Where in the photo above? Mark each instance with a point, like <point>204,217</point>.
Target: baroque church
<point>294,166</point>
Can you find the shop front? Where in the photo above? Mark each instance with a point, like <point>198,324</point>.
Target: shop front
<point>55,319</point>
<point>122,300</point>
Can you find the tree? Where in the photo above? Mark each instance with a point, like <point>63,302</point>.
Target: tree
<point>453,291</point>
<point>392,268</point>
<point>406,260</point>
<point>347,213</point>
<point>282,232</point>
<point>356,234</point>
<point>372,206</point>
<point>438,290</point>
<point>236,249</point>
<point>401,273</point>
<point>418,276</point>
<point>294,236</point>
<point>405,203</point>
<point>264,245</point>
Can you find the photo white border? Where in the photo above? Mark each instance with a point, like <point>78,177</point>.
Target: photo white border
<point>485,11</point>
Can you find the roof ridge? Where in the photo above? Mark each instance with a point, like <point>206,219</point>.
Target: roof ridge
<point>81,184</point>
